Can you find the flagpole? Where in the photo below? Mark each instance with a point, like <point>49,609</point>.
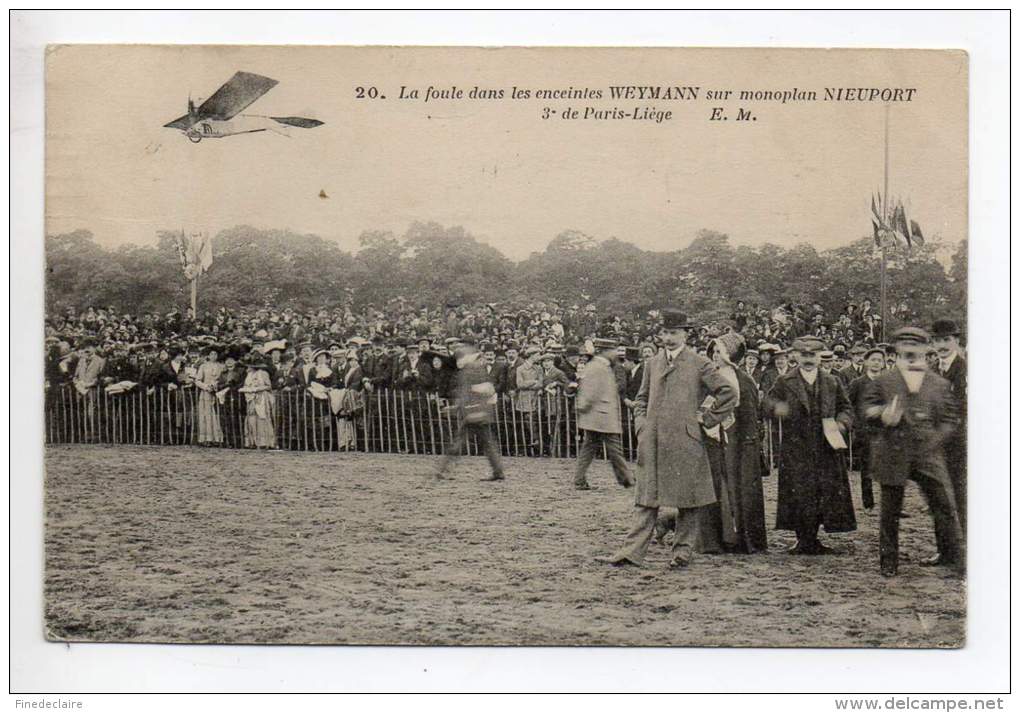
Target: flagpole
<point>885,215</point>
<point>194,297</point>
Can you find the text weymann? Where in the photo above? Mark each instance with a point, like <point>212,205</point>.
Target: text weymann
<point>653,92</point>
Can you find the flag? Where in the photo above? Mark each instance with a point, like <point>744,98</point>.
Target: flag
<point>205,253</point>
<point>915,233</point>
<point>181,251</point>
<point>907,231</point>
<point>194,252</point>
<point>900,227</point>
<point>882,226</point>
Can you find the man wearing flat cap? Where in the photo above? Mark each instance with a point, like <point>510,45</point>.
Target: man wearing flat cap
<point>814,488</point>
<point>914,413</point>
<point>506,381</point>
<point>826,361</point>
<point>528,379</point>
<point>952,366</point>
<point>673,469</point>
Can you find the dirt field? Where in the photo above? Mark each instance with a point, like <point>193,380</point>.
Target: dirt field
<point>195,545</point>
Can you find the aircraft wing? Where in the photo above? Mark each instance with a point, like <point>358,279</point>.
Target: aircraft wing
<point>233,97</point>
<point>298,121</point>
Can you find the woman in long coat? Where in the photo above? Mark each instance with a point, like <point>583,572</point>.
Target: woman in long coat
<point>321,379</point>
<point>737,456</point>
<point>260,418</point>
<point>207,377</point>
<point>232,410</point>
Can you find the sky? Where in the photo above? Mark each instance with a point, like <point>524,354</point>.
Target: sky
<point>802,172</point>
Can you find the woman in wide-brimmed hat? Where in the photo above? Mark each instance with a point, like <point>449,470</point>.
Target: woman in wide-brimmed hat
<point>352,403</point>
<point>322,380</point>
<point>260,418</point>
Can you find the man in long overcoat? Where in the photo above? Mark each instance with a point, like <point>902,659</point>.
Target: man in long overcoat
<point>914,414</point>
<point>673,469</point>
<point>814,488</point>
<point>528,382</point>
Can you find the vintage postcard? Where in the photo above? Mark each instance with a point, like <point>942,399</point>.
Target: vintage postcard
<point>506,346</point>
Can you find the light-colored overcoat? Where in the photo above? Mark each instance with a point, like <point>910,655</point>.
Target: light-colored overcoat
<point>673,469</point>
<point>598,401</point>
<point>529,384</point>
<point>88,371</point>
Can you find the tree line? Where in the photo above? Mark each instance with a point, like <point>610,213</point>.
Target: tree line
<point>435,265</point>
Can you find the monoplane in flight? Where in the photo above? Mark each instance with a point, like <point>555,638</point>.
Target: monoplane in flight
<point>220,115</point>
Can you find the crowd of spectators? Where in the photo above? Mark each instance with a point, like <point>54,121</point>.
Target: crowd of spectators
<point>138,348</point>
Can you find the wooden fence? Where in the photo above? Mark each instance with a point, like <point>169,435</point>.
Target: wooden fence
<point>392,421</point>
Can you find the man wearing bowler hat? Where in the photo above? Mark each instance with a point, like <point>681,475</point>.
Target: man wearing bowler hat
<point>856,366</point>
<point>914,413</point>
<point>952,366</point>
<point>598,416</point>
<point>673,469</point>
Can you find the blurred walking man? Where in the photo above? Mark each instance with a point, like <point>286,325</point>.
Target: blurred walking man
<point>915,414</point>
<point>475,397</point>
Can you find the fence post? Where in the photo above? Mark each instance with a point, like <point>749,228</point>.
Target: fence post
<point>539,419</point>
<point>413,396</point>
<point>500,431</point>
<point>449,422</point>
<point>428,417</point>
<point>379,420</point>
<point>78,415</point>
<point>514,414</point>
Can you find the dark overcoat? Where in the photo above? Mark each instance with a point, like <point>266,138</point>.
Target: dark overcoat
<point>814,488</point>
<point>748,497</point>
<point>672,467</point>
<point>863,428</point>
<point>956,444</point>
